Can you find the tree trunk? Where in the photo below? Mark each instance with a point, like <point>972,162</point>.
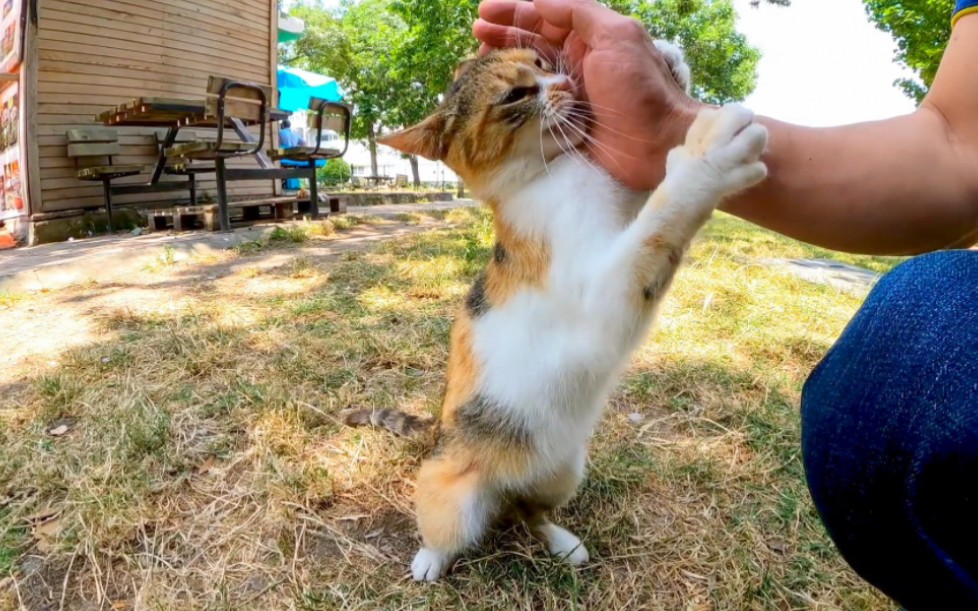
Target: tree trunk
<point>461,189</point>
<point>372,143</point>
<point>415,170</point>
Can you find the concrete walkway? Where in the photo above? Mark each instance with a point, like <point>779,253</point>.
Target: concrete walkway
<point>53,266</point>
<point>824,271</point>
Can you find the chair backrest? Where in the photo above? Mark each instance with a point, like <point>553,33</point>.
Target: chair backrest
<point>93,142</point>
<point>337,117</point>
<point>401,180</point>
<point>241,100</point>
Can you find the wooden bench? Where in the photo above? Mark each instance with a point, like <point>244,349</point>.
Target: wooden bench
<point>93,149</point>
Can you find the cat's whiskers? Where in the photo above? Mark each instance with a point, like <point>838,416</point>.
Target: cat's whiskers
<point>543,154</point>
<point>563,61</point>
<point>591,120</point>
<point>572,150</point>
<point>520,42</point>
<point>611,111</point>
<point>560,120</point>
<point>557,118</point>
<point>570,115</point>
<point>592,142</point>
<point>554,122</point>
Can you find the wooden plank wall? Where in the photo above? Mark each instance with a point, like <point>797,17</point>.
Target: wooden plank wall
<point>96,54</point>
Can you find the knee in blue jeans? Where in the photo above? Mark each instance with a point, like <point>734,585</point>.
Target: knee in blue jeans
<point>893,391</point>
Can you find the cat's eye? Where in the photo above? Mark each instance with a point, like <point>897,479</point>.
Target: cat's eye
<point>541,64</point>
<point>518,94</point>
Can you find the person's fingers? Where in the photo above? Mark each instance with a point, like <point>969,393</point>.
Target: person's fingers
<point>586,18</point>
<point>510,12</point>
<point>485,49</point>
<point>498,36</point>
<point>522,15</point>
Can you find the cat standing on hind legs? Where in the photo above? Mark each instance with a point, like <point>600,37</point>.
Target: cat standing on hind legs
<point>579,268</point>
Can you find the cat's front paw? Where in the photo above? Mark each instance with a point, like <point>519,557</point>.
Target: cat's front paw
<point>722,153</point>
<point>676,61</point>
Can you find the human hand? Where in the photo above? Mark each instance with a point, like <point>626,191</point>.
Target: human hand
<point>640,112</point>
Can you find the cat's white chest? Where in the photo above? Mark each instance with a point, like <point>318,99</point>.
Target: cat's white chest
<point>553,353</point>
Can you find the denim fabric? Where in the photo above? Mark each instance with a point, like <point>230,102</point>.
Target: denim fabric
<point>890,435</point>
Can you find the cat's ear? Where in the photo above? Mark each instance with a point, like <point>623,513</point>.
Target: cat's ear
<point>463,67</point>
<point>425,139</point>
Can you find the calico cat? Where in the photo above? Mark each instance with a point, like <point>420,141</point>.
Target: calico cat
<point>578,270</point>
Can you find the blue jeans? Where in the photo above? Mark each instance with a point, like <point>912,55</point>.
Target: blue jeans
<point>890,435</point>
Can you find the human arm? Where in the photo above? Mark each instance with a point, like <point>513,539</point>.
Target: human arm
<point>899,186</point>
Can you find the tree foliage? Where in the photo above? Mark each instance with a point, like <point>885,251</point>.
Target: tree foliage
<point>921,29</point>
<point>438,37</point>
<point>723,63</point>
<point>396,57</point>
<point>355,46</point>
<point>335,172</point>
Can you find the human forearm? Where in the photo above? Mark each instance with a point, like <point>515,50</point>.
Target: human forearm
<point>899,186</point>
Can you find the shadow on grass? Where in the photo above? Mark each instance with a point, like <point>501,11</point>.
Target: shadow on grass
<point>206,467</point>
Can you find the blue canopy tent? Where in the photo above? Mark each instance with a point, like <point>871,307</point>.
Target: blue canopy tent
<point>295,88</point>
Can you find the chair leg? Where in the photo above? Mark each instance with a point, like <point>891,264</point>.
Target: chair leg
<point>193,190</point>
<point>313,191</point>
<point>107,187</point>
<point>222,195</point>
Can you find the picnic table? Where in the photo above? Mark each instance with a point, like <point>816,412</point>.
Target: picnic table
<point>379,180</point>
<point>176,114</point>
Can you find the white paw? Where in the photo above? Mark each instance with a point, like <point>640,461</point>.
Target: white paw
<point>676,61</point>
<point>722,153</point>
<point>565,545</point>
<point>429,565</point>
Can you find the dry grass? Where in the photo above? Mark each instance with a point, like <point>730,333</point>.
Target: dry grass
<point>187,455</point>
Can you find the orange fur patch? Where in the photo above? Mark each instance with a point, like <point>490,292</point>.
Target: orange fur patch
<point>463,369</point>
<point>525,263</point>
<point>654,268</point>
<point>445,490</point>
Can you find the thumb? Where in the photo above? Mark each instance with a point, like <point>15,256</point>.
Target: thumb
<point>586,18</point>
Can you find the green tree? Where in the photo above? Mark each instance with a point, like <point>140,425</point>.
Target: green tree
<point>921,29</point>
<point>723,63</point>
<point>438,36</point>
<point>395,58</point>
<point>354,46</point>
<point>335,172</point>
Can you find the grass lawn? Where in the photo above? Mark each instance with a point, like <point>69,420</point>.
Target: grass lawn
<point>185,452</point>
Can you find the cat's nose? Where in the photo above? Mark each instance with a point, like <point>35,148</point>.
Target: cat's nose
<point>563,83</point>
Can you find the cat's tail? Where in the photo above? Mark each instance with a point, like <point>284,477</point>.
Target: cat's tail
<point>395,421</point>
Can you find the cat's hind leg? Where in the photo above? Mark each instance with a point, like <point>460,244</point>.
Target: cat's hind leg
<point>547,496</point>
<point>453,507</point>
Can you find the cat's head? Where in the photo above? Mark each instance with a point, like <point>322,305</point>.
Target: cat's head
<point>506,116</point>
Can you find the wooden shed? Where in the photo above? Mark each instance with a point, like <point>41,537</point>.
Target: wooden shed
<point>74,59</point>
